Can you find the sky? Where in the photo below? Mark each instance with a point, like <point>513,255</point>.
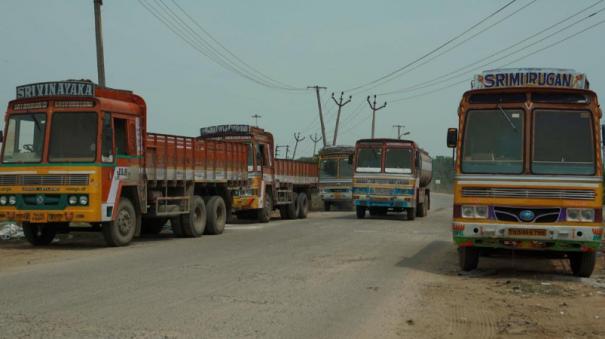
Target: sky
<point>336,44</point>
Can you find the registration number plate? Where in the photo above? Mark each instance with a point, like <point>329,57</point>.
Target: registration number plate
<point>39,217</point>
<point>531,232</point>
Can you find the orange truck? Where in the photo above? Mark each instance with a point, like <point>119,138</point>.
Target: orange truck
<point>78,157</point>
<point>282,184</point>
<point>529,167</point>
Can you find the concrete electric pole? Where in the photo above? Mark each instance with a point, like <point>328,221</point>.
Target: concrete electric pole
<point>321,115</point>
<point>340,106</point>
<point>99,38</point>
<point>399,134</point>
<point>374,110</point>
<point>256,117</point>
<point>315,140</point>
<point>297,139</point>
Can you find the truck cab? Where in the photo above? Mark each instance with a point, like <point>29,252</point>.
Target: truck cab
<point>70,150</point>
<point>336,176</point>
<point>391,175</point>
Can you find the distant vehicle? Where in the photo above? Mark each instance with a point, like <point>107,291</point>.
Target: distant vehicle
<point>391,175</point>
<point>336,176</point>
<point>528,167</point>
<point>272,183</point>
<point>78,157</point>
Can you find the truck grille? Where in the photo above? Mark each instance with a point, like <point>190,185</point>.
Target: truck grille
<point>530,193</point>
<point>44,180</point>
<point>541,215</point>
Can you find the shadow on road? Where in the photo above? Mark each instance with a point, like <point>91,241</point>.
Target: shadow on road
<point>441,257</point>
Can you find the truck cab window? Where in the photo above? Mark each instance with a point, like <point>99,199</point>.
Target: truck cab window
<point>121,136</point>
<point>260,155</point>
<point>107,139</point>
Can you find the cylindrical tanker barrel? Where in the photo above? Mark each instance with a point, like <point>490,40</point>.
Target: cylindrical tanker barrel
<point>426,168</point>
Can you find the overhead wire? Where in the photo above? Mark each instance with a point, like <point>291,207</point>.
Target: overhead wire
<point>390,75</point>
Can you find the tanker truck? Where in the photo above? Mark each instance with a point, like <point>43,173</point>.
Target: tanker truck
<point>391,175</point>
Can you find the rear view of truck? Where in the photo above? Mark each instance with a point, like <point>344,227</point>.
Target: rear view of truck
<point>391,175</point>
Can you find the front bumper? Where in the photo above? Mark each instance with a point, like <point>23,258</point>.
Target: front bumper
<point>391,202</point>
<point>527,236</point>
<point>76,214</point>
<point>336,196</point>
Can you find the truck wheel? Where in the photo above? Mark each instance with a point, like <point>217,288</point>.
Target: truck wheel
<point>421,210</point>
<point>194,222</point>
<point>153,225</point>
<point>264,214</point>
<point>468,258</point>
<point>582,264</point>
<point>327,206</point>
<point>303,205</point>
<point>39,234</point>
<point>411,213</point>
<point>120,231</point>
<point>217,215</point>
<point>292,208</point>
<point>361,212</point>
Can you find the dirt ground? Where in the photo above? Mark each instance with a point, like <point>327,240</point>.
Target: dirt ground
<point>517,301</point>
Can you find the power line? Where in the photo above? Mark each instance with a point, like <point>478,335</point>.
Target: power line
<point>195,22</point>
<point>398,70</point>
<point>461,70</point>
<point>185,32</point>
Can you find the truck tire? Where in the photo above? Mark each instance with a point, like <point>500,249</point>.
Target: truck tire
<point>421,210</point>
<point>264,214</point>
<point>327,206</point>
<point>583,263</point>
<point>468,258</point>
<point>217,215</point>
<point>292,208</point>
<point>121,230</point>
<point>153,226</point>
<point>360,212</point>
<point>303,205</point>
<point>193,223</point>
<point>411,213</point>
<point>39,234</point>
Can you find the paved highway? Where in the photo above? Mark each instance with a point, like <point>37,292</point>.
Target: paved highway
<point>327,276</point>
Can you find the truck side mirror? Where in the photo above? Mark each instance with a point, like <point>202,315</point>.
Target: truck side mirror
<point>452,137</point>
<point>107,139</point>
<point>1,136</point>
<point>351,159</point>
<point>602,134</point>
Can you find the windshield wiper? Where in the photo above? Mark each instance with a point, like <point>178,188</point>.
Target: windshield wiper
<point>507,118</point>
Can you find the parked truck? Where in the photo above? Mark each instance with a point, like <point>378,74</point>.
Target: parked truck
<point>272,183</point>
<point>529,169</point>
<point>78,157</point>
<point>391,175</point>
<point>336,176</point>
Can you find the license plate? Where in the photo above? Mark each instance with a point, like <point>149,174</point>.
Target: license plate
<point>529,232</point>
<point>39,217</point>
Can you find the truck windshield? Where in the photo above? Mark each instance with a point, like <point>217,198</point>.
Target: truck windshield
<point>368,160</point>
<point>73,137</point>
<point>563,143</point>
<point>345,169</point>
<point>24,138</point>
<point>493,141</point>
<point>328,168</point>
<point>398,160</point>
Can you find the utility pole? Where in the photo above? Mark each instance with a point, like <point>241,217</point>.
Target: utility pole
<point>399,134</point>
<point>298,139</point>
<point>315,140</point>
<point>340,105</point>
<point>255,117</point>
<point>99,38</point>
<point>321,115</point>
<point>374,110</point>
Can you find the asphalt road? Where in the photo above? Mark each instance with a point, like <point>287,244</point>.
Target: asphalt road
<point>330,275</point>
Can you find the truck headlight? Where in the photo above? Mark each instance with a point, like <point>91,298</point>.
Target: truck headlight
<point>72,200</point>
<point>577,214</point>
<point>12,200</point>
<point>83,200</point>
<point>474,212</point>
<point>3,200</point>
